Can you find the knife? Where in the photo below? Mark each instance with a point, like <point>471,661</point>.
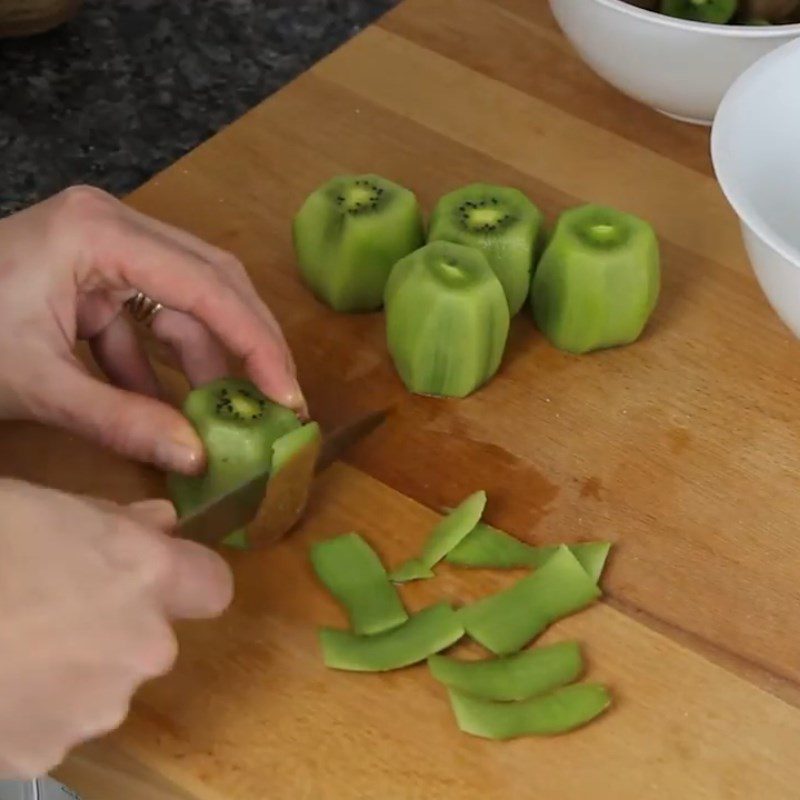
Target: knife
<point>279,506</point>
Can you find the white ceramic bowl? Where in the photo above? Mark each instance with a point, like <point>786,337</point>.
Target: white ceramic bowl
<point>680,68</point>
<point>755,147</point>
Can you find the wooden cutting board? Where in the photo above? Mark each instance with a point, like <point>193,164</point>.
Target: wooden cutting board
<point>682,449</point>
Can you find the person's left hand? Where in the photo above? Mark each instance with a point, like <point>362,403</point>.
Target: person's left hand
<point>67,266</point>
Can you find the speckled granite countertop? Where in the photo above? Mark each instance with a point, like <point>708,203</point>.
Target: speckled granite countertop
<point>128,86</point>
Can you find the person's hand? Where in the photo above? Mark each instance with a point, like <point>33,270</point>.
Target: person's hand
<point>87,592</point>
<point>67,266</point>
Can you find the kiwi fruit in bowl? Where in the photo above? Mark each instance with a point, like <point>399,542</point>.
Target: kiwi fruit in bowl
<point>730,12</point>
<point>771,12</point>
<point>715,11</point>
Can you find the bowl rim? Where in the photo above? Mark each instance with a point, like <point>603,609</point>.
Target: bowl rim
<point>712,29</point>
<point>723,127</point>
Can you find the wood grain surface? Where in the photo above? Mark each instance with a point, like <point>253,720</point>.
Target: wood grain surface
<point>682,449</point>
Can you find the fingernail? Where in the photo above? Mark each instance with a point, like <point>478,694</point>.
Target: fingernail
<point>295,400</point>
<point>181,456</point>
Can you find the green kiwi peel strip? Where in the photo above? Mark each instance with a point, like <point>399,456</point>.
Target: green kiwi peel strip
<point>516,677</point>
<point>354,575</point>
<point>411,570</point>
<point>488,547</point>
<point>446,535</point>
<point>431,630</point>
<point>505,622</point>
<point>562,710</point>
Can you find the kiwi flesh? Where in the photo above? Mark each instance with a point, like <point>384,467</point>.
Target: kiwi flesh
<point>349,233</point>
<point>447,319</point>
<point>502,223</point>
<point>238,426</point>
<point>598,281</point>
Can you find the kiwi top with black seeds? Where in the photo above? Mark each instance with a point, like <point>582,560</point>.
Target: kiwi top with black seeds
<point>240,405</point>
<point>485,215</point>
<point>360,197</point>
<point>348,235</point>
<point>501,222</point>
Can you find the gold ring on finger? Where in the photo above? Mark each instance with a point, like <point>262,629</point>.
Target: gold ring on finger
<point>143,309</point>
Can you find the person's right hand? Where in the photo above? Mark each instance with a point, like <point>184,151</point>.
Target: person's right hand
<point>88,589</point>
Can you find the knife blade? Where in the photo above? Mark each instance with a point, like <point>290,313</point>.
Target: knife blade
<point>345,436</point>
<point>214,520</point>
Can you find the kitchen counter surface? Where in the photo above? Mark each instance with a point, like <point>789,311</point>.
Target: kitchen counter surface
<point>125,88</point>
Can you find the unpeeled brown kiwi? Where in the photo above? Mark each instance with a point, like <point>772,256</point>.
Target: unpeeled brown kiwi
<point>769,11</point>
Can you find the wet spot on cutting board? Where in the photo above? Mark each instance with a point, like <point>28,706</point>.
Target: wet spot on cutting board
<point>439,468</point>
<point>593,488</point>
<point>679,439</point>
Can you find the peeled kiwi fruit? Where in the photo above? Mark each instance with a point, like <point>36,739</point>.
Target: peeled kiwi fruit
<point>714,11</point>
<point>238,426</point>
<point>499,221</point>
<point>349,233</point>
<point>446,319</point>
<point>598,280</point>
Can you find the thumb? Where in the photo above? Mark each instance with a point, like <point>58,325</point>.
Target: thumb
<point>133,425</point>
<point>201,582</point>
<point>157,513</point>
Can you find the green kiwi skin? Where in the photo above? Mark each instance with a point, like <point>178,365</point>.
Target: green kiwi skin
<point>447,320</point>
<point>717,12</point>
<point>345,253</point>
<point>511,247</point>
<point>590,293</point>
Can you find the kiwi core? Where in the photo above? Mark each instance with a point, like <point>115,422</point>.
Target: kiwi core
<point>239,405</point>
<point>359,196</point>
<point>483,216</point>
<point>452,273</point>
<point>603,234</point>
